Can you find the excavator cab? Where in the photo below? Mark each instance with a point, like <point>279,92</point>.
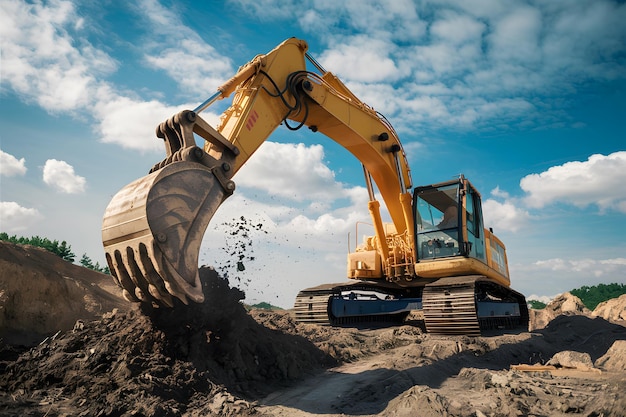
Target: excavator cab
<point>448,221</point>
<point>451,239</point>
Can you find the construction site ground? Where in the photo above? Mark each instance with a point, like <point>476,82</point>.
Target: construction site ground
<point>72,347</point>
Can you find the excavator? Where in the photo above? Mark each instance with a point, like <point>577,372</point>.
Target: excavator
<point>434,255</point>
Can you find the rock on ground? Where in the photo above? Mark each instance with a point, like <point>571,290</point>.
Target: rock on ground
<point>612,310</point>
<point>615,358</point>
<point>565,303</point>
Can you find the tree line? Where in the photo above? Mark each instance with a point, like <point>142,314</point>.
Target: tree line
<point>589,296</point>
<point>61,249</point>
<point>592,296</point>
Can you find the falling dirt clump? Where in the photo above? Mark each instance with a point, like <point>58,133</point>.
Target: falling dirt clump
<point>212,357</point>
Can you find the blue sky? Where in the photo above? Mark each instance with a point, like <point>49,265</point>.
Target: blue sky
<point>527,99</point>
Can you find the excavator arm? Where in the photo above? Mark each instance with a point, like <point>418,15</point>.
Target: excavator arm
<point>153,228</point>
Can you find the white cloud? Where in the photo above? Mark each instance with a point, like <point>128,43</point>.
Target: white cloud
<point>543,298</point>
<point>45,61</point>
<point>598,181</point>
<point>10,165</point>
<point>173,47</point>
<point>505,216</point>
<point>130,123</point>
<point>362,58</point>
<point>556,275</point>
<point>15,218</point>
<point>515,36</point>
<point>196,66</point>
<point>474,63</point>
<point>61,176</point>
<point>42,62</point>
<point>457,29</point>
<point>292,171</point>
<point>598,268</point>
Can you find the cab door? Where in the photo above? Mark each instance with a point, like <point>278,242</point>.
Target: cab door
<point>473,228</point>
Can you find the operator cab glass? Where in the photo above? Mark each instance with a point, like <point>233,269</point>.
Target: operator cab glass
<point>448,221</point>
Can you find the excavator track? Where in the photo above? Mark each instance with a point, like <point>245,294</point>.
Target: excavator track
<point>311,305</point>
<point>467,306</point>
<point>450,309</point>
<point>471,305</point>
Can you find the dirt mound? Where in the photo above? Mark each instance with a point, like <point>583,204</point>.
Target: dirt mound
<point>40,294</point>
<point>612,310</point>
<point>161,362</point>
<point>217,359</point>
<point>564,304</point>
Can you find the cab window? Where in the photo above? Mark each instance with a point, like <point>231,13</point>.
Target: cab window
<point>437,221</point>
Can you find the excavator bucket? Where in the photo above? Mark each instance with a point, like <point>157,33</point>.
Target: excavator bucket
<point>152,229</point>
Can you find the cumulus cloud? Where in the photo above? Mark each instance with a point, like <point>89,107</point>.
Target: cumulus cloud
<point>598,181</point>
<point>47,59</point>
<point>174,48</point>
<point>130,123</point>
<point>460,64</point>
<point>61,176</point>
<point>506,215</point>
<point>362,58</point>
<point>293,171</point>
<point>40,59</point>
<point>15,218</point>
<point>481,61</point>
<point>606,268</point>
<point>10,165</point>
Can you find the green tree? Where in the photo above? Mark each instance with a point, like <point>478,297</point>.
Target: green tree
<point>61,249</point>
<point>536,304</point>
<point>594,295</point>
<point>88,263</point>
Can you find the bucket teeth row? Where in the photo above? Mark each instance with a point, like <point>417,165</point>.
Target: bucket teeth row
<point>139,277</point>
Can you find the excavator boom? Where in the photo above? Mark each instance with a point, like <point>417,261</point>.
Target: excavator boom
<point>456,274</point>
<point>152,229</point>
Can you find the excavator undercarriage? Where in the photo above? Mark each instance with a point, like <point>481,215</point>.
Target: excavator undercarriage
<point>465,305</point>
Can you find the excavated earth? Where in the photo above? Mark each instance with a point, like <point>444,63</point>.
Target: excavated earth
<point>102,356</point>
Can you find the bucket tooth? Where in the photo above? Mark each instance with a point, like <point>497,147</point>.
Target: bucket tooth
<point>136,273</point>
<point>123,277</point>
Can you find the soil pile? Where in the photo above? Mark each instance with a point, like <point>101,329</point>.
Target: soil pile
<point>613,310</point>
<point>204,357</point>
<point>217,359</point>
<point>564,304</point>
<point>40,294</point>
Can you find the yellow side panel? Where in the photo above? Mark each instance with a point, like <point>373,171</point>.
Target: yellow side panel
<point>441,268</point>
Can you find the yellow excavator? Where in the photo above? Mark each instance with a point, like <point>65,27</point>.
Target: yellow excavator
<point>435,255</point>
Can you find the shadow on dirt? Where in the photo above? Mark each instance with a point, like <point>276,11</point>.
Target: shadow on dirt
<point>370,392</point>
<point>213,358</point>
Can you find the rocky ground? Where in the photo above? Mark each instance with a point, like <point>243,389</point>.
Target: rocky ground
<point>101,356</point>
